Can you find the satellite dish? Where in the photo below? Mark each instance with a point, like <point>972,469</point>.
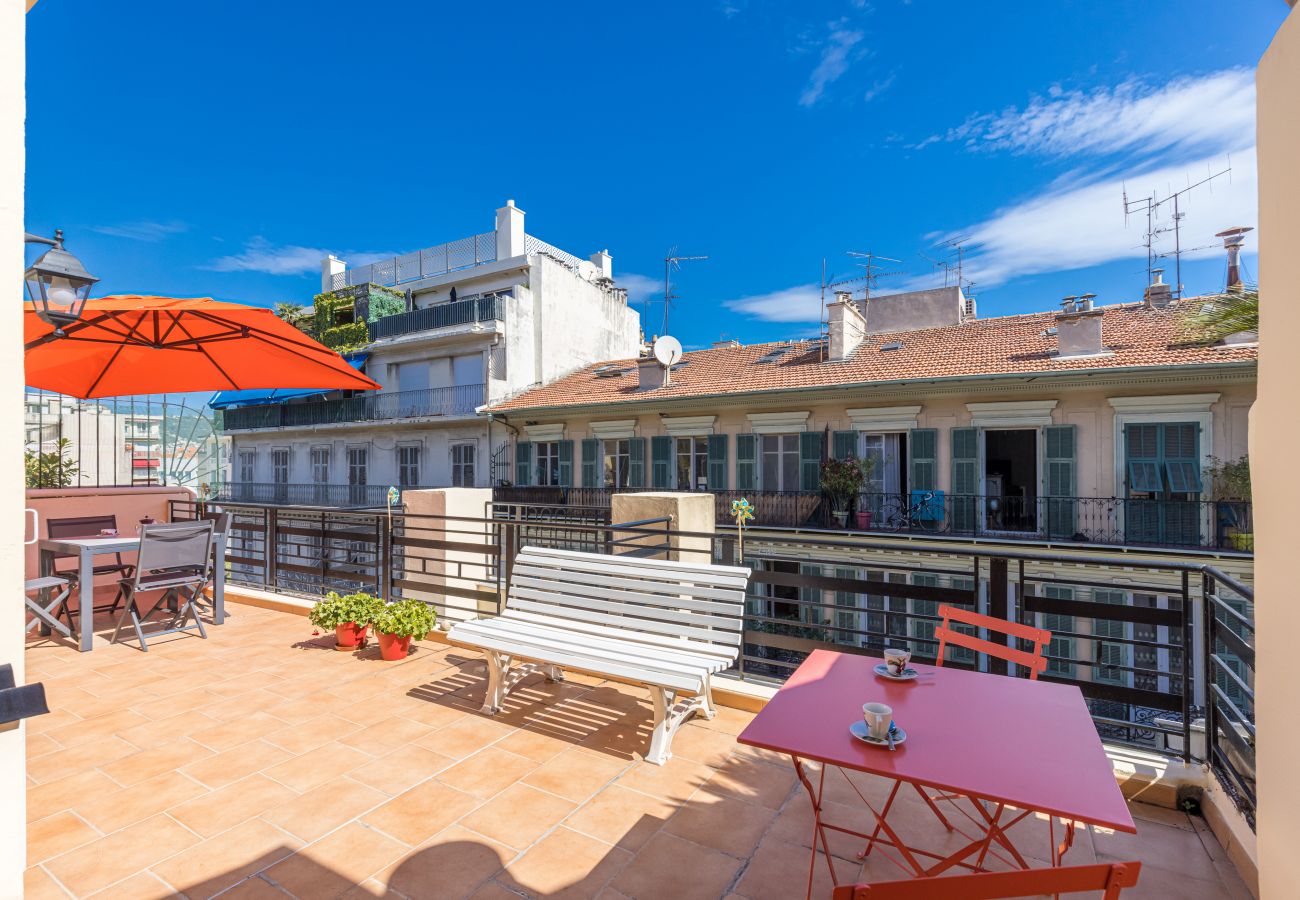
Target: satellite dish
<point>668,350</point>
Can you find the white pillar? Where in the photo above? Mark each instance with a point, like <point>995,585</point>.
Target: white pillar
<point>13,761</point>
<point>510,231</point>
<point>329,267</point>
<point>690,512</point>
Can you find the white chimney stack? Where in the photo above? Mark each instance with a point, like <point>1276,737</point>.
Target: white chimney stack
<point>1158,294</point>
<point>848,326</point>
<point>510,231</point>
<point>330,267</point>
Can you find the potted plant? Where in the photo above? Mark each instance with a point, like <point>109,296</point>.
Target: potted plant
<point>1230,488</point>
<point>841,481</point>
<point>398,622</point>
<point>349,615</point>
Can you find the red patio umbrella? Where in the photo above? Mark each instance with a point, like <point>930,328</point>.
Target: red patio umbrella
<point>147,345</point>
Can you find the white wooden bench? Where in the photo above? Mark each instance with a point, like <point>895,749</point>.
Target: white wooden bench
<point>668,625</point>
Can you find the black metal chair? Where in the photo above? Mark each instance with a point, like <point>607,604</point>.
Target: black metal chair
<point>176,559</point>
<point>80,527</point>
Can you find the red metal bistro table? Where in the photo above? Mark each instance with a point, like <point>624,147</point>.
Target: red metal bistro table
<point>999,748</point>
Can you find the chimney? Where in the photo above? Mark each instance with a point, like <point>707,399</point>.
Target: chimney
<point>651,374</point>
<point>332,275</point>
<point>1078,328</point>
<point>604,264</point>
<point>1233,238</point>
<point>1158,294</point>
<point>847,325</point>
<point>510,231</point>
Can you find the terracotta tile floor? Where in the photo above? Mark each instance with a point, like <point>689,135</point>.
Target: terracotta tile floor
<point>260,763</point>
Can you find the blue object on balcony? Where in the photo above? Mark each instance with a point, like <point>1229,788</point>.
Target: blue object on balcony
<point>928,506</point>
<point>261,397</point>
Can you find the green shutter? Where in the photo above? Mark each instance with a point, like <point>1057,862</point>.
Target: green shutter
<point>566,463</point>
<point>1182,471</point>
<point>965,479</point>
<point>661,460</point>
<point>844,445</point>
<point>1060,444</point>
<point>636,462</point>
<point>590,457</point>
<point>811,445</point>
<point>717,462</point>
<point>1057,623</point>
<point>523,463</point>
<point>746,462</point>
<point>922,459</point>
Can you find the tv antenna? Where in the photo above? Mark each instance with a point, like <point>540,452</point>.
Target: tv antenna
<point>672,261</point>
<point>1150,205</point>
<point>872,271</point>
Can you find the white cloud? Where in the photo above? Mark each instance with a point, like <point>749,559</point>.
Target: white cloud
<point>260,255</point>
<point>1079,222</point>
<point>879,87</point>
<point>801,303</point>
<point>143,230</point>
<point>639,287</point>
<point>1189,115</point>
<point>835,59</point>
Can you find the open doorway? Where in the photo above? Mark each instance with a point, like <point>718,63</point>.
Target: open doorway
<point>1011,480</point>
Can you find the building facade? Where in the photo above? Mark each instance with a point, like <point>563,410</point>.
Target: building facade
<point>479,320</point>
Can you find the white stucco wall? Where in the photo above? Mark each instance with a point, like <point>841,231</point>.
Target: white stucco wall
<point>577,322</point>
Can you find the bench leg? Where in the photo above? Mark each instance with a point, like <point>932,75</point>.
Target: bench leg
<point>496,682</point>
<point>554,674</point>
<point>706,707</point>
<point>666,722</point>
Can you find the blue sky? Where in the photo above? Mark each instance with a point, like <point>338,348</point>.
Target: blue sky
<point>220,147</point>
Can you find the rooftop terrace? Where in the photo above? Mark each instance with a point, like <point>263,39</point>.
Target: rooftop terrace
<point>259,763</point>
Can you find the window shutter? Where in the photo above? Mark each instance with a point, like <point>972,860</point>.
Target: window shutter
<point>636,462</point>
<point>746,462</point>
<point>1182,470</point>
<point>661,456</point>
<point>811,445</point>
<point>566,463</point>
<point>965,478</point>
<point>590,455</point>
<point>1059,448</point>
<point>922,457</point>
<point>1142,471</point>
<point>844,445</point>
<point>717,462</point>
<point>523,463</point>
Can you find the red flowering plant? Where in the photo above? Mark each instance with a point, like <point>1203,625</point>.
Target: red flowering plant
<point>842,480</point>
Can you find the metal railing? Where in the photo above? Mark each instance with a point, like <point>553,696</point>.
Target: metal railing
<point>444,315</point>
<point>462,254</point>
<point>1229,634</point>
<point>460,400</point>
<point>1105,521</point>
<point>340,496</point>
<point>534,245</point>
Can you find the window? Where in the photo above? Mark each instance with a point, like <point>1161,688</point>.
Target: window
<point>280,465</point>
<point>1061,646</point>
<point>358,462</point>
<point>408,465</point>
<point>1110,655</point>
<point>548,463</point>
<point>692,463</point>
<point>780,462</point>
<point>617,458</point>
<point>320,465</point>
<point>462,464</point>
<point>247,466</point>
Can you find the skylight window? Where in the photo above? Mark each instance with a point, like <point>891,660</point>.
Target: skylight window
<point>772,355</point>
<point>892,345</point>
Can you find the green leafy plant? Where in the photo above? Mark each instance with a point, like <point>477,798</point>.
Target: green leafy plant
<point>336,610</point>
<point>406,618</point>
<point>1229,313</point>
<point>52,469</point>
<point>842,479</point>
<point>297,315</point>
<point>1229,480</point>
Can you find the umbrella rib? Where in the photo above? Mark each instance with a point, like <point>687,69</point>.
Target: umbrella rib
<point>112,359</point>
<point>316,361</point>
<point>199,346</point>
<point>69,331</point>
<point>284,340</point>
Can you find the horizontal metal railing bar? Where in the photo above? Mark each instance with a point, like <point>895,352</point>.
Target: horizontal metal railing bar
<point>899,590</point>
<point>1099,690</point>
<point>1138,726</point>
<point>1218,662</point>
<point>1105,585</point>
<point>1224,606</point>
<point>1237,741</point>
<point>1221,765</point>
<point>1095,609</point>
<point>1234,643</point>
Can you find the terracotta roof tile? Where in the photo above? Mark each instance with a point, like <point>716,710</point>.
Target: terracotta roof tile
<point>1135,335</point>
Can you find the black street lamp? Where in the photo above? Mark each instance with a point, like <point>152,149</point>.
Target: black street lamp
<point>58,285</point>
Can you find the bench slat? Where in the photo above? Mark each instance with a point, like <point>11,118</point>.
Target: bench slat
<point>656,569</point>
<point>657,659</point>
<point>662,627</point>
<point>685,652</point>
<point>593,599</point>
<point>727,597</point>
<point>707,648</point>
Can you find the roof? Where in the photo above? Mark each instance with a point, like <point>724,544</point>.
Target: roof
<point>1136,336</point>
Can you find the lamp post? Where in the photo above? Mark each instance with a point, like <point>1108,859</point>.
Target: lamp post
<point>58,285</point>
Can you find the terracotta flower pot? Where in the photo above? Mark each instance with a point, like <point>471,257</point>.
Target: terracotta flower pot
<point>349,636</point>
<point>392,647</point>
<point>863,518</point>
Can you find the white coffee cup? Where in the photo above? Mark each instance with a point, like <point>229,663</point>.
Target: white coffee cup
<point>896,659</point>
<point>877,716</point>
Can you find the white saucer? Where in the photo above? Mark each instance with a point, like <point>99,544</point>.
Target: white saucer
<point>859,730</point>
<point>882,669</point>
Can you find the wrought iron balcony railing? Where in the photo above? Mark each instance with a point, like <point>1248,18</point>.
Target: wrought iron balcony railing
<point>444,315</point>
<point>335,496</point>
<point>460,400</point>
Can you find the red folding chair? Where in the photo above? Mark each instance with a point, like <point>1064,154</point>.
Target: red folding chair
<point>1033,660</point>
<point>1108,878</point>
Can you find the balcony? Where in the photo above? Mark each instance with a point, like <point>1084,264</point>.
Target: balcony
<point>1102,521</point>
<point>460,400</point>
<point>340,496</point>
<point>266,763</point>
<point>486,308</point>
<point>453,256</point>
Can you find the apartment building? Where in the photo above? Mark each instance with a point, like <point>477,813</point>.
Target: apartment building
<point>445,330</point>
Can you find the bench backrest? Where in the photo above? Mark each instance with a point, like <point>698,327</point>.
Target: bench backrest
<point>697,602</point>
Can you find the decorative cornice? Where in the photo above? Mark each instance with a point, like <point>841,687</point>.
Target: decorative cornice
<point>688,426</point>
<point>1023,413</point>
<point>778,422</point>
<point>885,418</point>
<point>613,429</point>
